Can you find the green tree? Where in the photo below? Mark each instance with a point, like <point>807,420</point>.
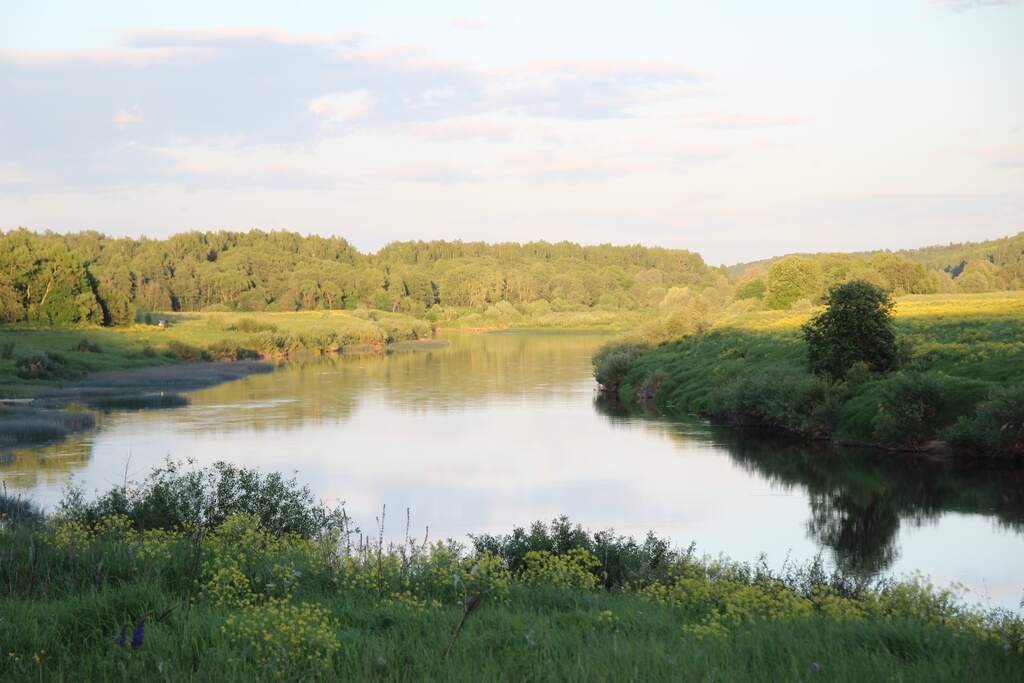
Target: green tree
<point>790,279</point>
<point>855,327</point>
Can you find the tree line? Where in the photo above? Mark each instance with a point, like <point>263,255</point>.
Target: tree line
<point>89,278</point>
<point>995,265</point>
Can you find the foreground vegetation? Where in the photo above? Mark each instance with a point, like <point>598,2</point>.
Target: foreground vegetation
<point>226,574</point>
<point>959,379</point>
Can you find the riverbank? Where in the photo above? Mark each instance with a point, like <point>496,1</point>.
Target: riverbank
<point>228,574</point>
<point>960,386</point>
<point>34,357</point>
<point>43,371</point>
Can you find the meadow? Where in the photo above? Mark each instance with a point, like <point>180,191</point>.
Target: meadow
<point>227,574</point>
<point>962,369</point>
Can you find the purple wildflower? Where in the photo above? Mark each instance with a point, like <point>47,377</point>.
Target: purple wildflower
<point>139,633</point>
<point>119,641</point>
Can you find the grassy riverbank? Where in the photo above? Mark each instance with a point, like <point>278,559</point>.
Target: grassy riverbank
<point>67,354</point>
<point>961,377</point>
<point>229,575</point>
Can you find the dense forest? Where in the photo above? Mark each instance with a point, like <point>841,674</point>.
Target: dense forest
<point>89,278</point>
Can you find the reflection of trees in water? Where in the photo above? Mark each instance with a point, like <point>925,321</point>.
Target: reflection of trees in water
<point>47,465</point>
<point>476,368</point>
<point>861,533</point>
<point>859,498</point>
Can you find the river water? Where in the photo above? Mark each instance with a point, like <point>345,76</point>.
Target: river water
<point>497,430</point>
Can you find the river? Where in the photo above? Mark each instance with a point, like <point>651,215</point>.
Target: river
<point>497,430</point>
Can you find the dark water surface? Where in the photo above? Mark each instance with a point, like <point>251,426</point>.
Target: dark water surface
<point>499,430</point>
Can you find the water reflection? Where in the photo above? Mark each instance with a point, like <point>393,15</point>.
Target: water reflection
<point>499,430</point>
<point>859,499</point>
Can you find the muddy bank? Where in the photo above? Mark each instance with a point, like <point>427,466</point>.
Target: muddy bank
<point>164,378</point>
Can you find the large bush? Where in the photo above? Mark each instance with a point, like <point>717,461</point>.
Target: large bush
<point>174,497</point>
<point>996,429</point>
<point>855,327</point>
<point>619,560</point>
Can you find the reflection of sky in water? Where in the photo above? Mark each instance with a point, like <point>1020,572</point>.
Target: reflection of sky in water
<point>493,432</point>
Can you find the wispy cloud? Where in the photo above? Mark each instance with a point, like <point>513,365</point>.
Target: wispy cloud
<point>224,37</point>
<point>271,87</point>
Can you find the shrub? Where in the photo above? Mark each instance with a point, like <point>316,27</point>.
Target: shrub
<point>781,397</point>
<point>910,412</point>
<point>286,639</point>
<point>612,362</point>
<point>185,351</point>
<point>996,428</point>
<point>574,569</point>
<point>46,365</point>
<point>227,349</point>
<point>86,346</point>
<point>172,497</point>
<point>856,326</point>
<point>619,560</point>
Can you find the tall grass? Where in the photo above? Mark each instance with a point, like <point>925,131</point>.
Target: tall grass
<point>24,425</point>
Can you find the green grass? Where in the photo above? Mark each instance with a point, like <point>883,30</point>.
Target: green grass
<point>233,598</point>
<point>751,367</point>
<point>535,635</point>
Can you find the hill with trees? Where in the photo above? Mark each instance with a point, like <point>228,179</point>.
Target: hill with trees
<point>971,268</point>
<point>89,278</point>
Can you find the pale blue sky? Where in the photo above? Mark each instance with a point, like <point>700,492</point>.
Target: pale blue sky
<point>737,129</point>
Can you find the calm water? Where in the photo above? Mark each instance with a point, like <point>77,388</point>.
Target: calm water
<point>500,430</point>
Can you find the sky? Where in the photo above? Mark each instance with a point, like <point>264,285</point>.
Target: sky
<point>739,130</point>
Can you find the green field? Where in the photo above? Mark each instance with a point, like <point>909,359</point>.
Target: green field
<point>232,576</point>
<point>958,350</point>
